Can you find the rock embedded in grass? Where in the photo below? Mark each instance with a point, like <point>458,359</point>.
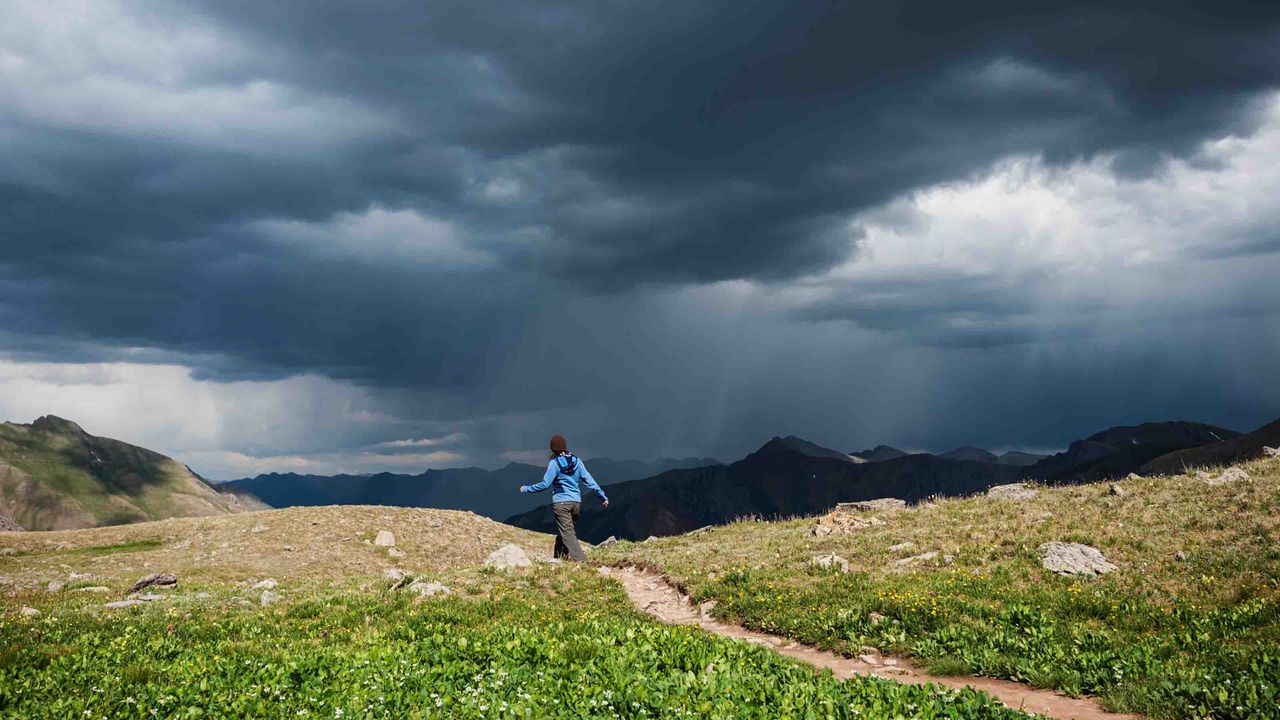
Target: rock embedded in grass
<point>1228,476</point>
<point>916,559</point>
<point>902,547</point>
<point>29,612</point>
<point>153,580</point>
<point>1270,452</point>
<point>860,506</point>
<point>267,598</point>
<point>385,538</point>
<point>507,558</point>
<point>1012,491</point>
<point>266,584</point>
<point>830,561</point>
<point>1074,559</point>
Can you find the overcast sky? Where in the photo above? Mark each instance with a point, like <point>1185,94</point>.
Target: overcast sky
<point>322,236</point>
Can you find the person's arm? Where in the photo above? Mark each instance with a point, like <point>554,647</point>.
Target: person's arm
<point>550,475</point>
<point>591,484</point>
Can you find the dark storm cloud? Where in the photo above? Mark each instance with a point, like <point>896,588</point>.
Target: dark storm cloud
<point>644,143</point>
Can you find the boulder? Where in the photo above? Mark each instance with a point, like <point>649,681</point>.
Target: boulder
<point>1228,476</point>
<point>1074,559</point>
<point>1134,476</point>
<point>860,506</point>
<point>267,584</point>
<point>1270,452</point>
<point>430,589</point>
<point>609,542</point>
<point>829,562</point>
<point>916,559</point>
<point>507,558</point>
<point>1012,491</point>
<point>267,598</point>
<point>153,580</point>
<point>385,538</point>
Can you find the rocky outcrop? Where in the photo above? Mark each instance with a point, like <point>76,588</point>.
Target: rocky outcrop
<point>153,580</point>
<point>1012,491</point>
<point>1074,559</point>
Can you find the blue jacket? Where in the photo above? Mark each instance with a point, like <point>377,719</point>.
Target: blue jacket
<point>564,472</point>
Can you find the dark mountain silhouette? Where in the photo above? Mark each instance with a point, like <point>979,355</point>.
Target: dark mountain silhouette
<point>1226,452</point>
<point>1118,451</point>
<point>1021,459</point>
<point>492,493</point>
<point>970,453</point>
<point>783,478</point>
<point>880,453</point>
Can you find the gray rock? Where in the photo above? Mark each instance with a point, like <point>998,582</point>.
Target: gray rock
<point>889,504</point>
<point>122,604</point>
<point>829,562</point>
<point>430,589</point>
<point>916,559</point>
<point>1134,476</point>
<point>1180,556</point>
<point>608,542</point>
<point>55,586</point>
<point>396,552</point>
<point>150,597</point>
<point>203,596</point>
<point>1116,491</point>
<point>1074,559</point>
<point>902,547</point>
<point>1012,491</point>
<point>267,598</point>
<point>393,574</point>
<point>1228,476</point>
<point>385,538</point>
<point>153,580</point>
<point>94,589</point>
<point>508,558</point>
<point>258,528</point>
<point>1270,452</point>
<point>948,559</point>
<point>267,584</point>
<point>29,612</point>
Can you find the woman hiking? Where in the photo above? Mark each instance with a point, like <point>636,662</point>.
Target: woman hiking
<point>564,473</point>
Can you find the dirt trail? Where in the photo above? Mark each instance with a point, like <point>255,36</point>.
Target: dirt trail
<point>655,596</point>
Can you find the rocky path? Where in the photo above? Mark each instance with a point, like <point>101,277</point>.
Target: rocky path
<point>655,596</point>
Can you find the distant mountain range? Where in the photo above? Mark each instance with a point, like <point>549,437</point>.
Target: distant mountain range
<point>55,476</point>
<point>491,493</point>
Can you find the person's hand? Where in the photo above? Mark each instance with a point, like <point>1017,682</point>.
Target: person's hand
<point>605,504</point>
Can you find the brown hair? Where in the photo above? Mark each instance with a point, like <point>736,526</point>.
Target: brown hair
<point>558,444</point>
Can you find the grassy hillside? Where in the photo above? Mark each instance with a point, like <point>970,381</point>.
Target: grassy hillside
<point>1188,626</point>
<point>54,475</point>
<point>553,641</point>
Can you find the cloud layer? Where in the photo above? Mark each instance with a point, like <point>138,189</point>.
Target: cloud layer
<point>659,228</point>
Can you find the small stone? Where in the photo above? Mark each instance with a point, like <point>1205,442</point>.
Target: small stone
<point>289,548</point>
<point>153,580</point>
<point>267,584</point>
<point>29,612</point>
<point>829,562</point>
<point>1134,476</point>
<point>948,559</point>
<point>890,662</point>
<point>395,552</point>
<point>267,598</point>
<point>385,538</point>
<point>869,659</point>
<point>1012,491</point>
<point>507,558</point>
<point>915,559</point>
<point>1074,559</point>
<point>902,547</point>
<point>860,506</point>
<point>1116,491</point>
<point>258,528</point>
<point>121,604</point>
<point>430,589</point>
<point>876,618</point>
<point>609,542</point>
<point>55,586</point>
<point>94,589</point>
<point>1180,556</point>
<point>393,574</point>
<point>1230,475</point>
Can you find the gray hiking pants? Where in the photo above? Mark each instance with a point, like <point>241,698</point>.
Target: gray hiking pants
<point>566,536</point>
